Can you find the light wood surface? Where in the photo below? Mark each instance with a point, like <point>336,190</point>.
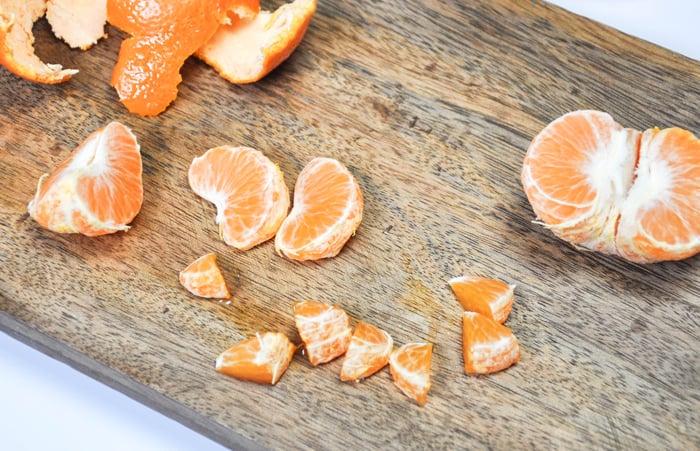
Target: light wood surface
<point>432,106</point>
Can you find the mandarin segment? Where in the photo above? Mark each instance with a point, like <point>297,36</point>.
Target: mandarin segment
<point>204,278</point>
<point>97,190</point>
<point>487,345</point>
<point>324,329</point>
<point>327,211</point>
<point>368,352</point>
<point>17,18</point>
<point>262,359</point>
<point>246,50</point>
<point>247,189</point>
<point>489,297</point>
<point>410,368</point>
<point>616,190</point>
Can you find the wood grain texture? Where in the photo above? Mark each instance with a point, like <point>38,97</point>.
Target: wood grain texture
<point>431,105</point>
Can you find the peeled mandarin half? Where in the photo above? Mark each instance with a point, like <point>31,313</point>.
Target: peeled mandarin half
<point>616,190</point>
<point>368,352</point>
<point>97,190</point>
<point>246,50</point>
<point>17,18</point>
<point>487,345</point>
<point>80,23</point>
<point>327,211</point>
<point>203,278</point>
<point>248,190</point>
<point>410,368</point>
<point>489,297</point>
<point>324,329</point>
<point>263,358</point>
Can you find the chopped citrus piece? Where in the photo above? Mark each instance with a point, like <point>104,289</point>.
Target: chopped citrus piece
<point>17,18</point>
<point>248,190</point>
<point>164,33</point>
<point>203,278</point>
<point>97,190</point>
<point>247,50</point>
<point>263,358</point>
<point>326,212</point>
<point>489,297</point>
<point>410,368</point>
<point>487,345</point>
<point>368,352</point>
<point>80,23</point>
<point>616,190</point>
<point>324,329</point>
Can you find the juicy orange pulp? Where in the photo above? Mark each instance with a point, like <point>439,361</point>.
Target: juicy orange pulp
<point>203,278</point>
<point>410,368</point>
<point>487,296</point>
<point>97,190</point>
<point>324,329</point>
<point>368,352</point>
<point>487,345</point>
<point>263,358</point>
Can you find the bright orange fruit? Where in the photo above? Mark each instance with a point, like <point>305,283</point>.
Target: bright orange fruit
<point>368,352</point>
<point>489,297</point>
<point>410,368</point>
<point>97,190</point>
<point>247,50</point>
<point>80,23</point>
<point>324,329</point>
<point>203,278</point>
<point>164,33</point>
<point>326,212</point>
<point>614,189</point>
<point>248,190</point>
<point>17,19</point>
<point>263,358</point>
<point>487,345</point>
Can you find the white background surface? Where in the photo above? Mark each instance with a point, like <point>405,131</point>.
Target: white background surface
<point>46,405</point>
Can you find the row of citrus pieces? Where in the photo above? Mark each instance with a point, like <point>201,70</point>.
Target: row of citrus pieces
<point>326,333</point>
<point>98,189</point>
<point>235,37</point>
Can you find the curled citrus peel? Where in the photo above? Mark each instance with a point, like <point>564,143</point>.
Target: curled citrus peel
<point>247,49</point>
<point>17,18</point>
<point>164,33</point>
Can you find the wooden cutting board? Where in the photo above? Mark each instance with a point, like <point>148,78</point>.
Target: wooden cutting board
<point>432,106</point>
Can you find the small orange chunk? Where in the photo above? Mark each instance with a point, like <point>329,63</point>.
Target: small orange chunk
<point>203,278</point>
<point>263,358</point>
<point>369,351</point>
<point>410,368</point>
<point>489,297</point>
<point>487,345</point>
<point>324,329</point>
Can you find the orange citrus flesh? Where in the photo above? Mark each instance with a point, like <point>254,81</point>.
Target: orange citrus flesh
<point>164,33</point>
<point>248,190</point>
<point>80,23</point>
<point>487,345</point>
<point>616,190</point>
<point>17,18</point>
<point>327,211</point>
<point>244,51</point>
<point>203,278</point>
<point>410,368</point>
<point>489,297</point>
<point>324,329</point>
<point>97,190</point>
<point>368,352</point>
<point>263,358</point>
